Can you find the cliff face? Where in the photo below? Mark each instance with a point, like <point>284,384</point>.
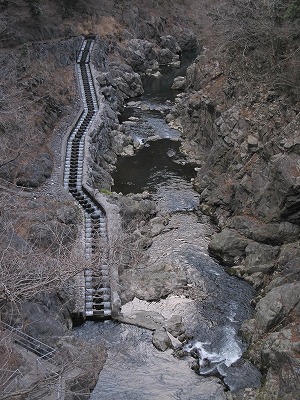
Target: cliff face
<point>242,129</point>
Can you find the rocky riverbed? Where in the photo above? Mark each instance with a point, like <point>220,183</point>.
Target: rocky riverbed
<point>175,280</point>
<point>178,280</point>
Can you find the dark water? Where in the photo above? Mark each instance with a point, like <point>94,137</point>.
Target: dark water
<point>221,314</point>
<point>159,162</point>
<point>159,89</point>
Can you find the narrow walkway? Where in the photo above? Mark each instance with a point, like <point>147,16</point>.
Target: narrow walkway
<point>97,286</point>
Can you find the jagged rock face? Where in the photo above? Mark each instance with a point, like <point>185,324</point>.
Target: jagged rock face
<point>246,148</point>
<point>245,168</point>
<point>118,69</point>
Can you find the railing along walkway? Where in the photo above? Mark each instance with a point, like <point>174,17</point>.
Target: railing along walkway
<point>10,379</point>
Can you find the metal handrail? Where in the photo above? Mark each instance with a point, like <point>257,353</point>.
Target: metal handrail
<point>11,374</point>
<point>44,351</point>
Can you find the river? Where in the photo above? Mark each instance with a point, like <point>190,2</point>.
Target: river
<point>215,304</point>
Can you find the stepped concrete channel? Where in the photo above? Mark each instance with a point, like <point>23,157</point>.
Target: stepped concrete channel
<point>97,282</point>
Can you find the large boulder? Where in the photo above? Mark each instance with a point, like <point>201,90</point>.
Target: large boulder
<point>228,246</point>
<point>260,257</point>
<point>275,307</point>
<point>161,340</point>
<point>170,43</point>
<point>187,39</point>
<point>141,55</point>
<point>128,82</point>
<point>119,83</point>
<point>240,375</point>
<point>179,83</point>
<point>175,326</point>
<point>153,281</point>
<point>165,57</point>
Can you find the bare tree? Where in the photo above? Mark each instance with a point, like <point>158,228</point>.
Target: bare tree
<point>261,38</point>
<point>28,272</point>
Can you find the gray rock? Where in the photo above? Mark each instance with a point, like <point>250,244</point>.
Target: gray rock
<point>240,375</point>
<point>175,326</point>
<point>269,233</point>
<point>161,340</point>
<point>179,83</point>
<point>141,55</point>
<point>228,246</point>
<point>136,207</point>
<point>280,355</point>
<point>165,56</point>
<point>128,150</point>
<point>252,142</point>
<point>127,81</point>
<point>276,306</point>
<point>260,257</point>
<point>169,42</point>
<point>156,226</point>
<point>187,39</point>
<point>154,281</point>
<point>119,84</point>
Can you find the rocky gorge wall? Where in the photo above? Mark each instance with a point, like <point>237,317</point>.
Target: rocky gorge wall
<point>246,149</point>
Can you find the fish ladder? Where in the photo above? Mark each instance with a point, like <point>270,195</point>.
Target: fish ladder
<point>97,281</point>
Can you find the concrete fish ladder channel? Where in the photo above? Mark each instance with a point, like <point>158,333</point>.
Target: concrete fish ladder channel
<point>97,282</point>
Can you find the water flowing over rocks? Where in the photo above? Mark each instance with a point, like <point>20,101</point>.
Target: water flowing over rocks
<point>124,359</point>
<point>175,242</point>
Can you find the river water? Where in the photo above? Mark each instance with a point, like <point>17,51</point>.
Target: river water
<point>217,303</point>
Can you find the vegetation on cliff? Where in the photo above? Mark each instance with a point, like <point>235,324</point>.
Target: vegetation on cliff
<point>241,121</point>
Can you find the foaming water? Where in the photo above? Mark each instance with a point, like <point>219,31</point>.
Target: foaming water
<point>229,351</point>
<point>135,370</point>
